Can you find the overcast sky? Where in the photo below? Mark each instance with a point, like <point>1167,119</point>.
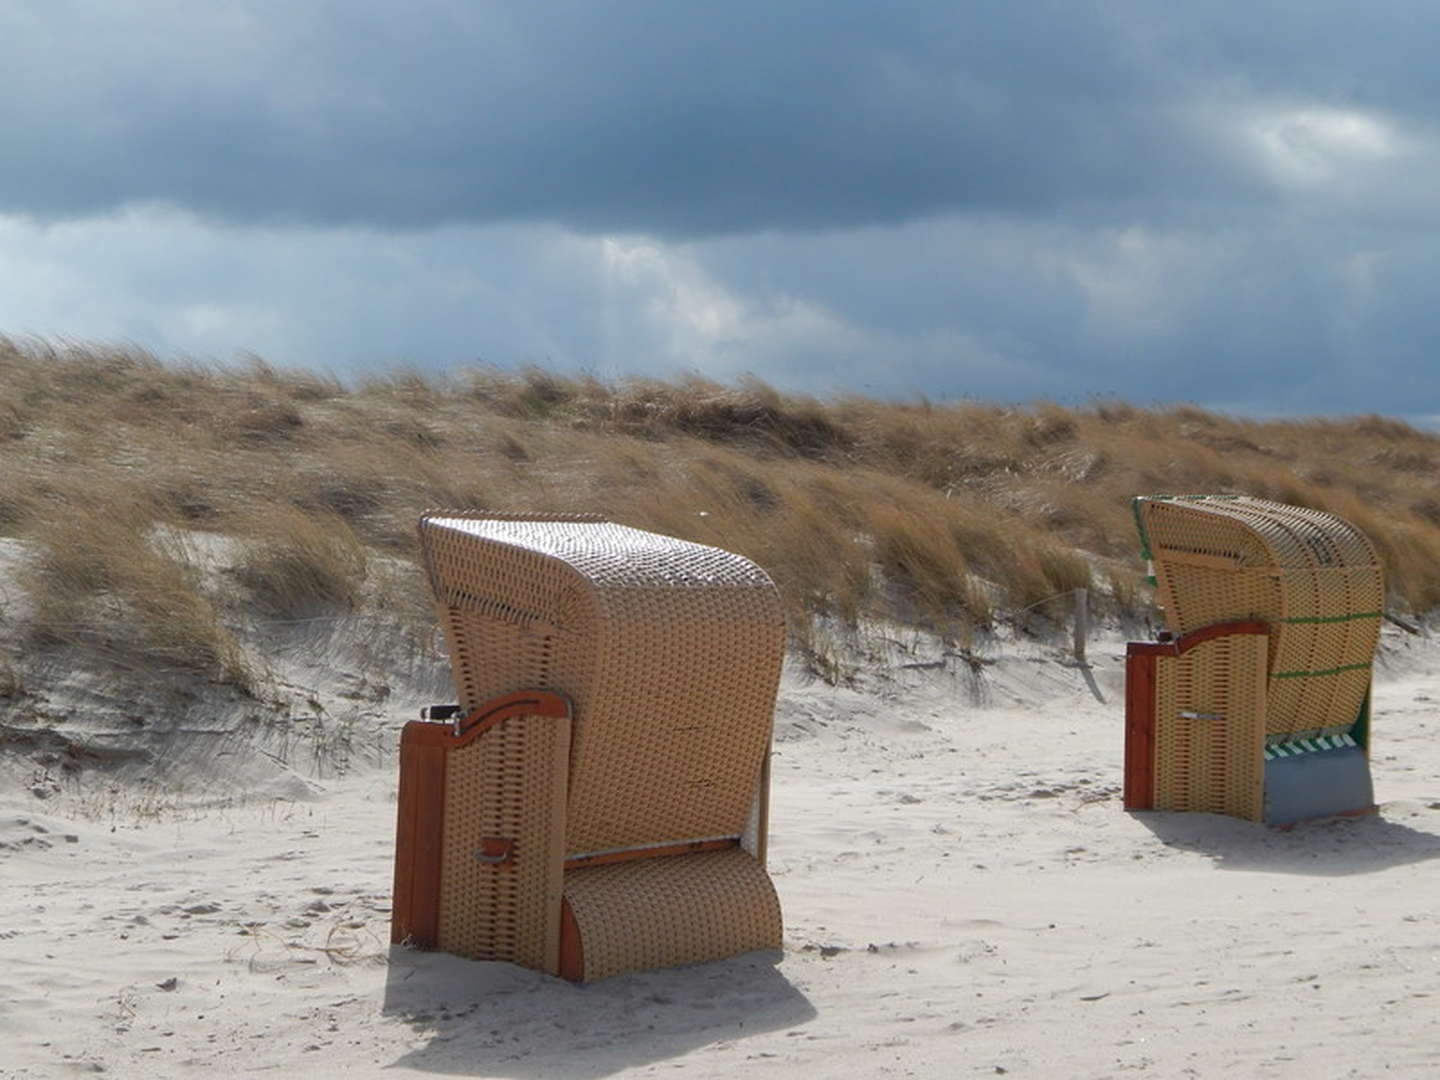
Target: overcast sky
<point>1234,204</point>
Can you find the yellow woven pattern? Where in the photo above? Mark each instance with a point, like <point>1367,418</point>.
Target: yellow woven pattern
<point>1212,759</point>
<point>509,783</point>
<point>670,651</point>
<point>681,909</point>
<point>1312,577</point>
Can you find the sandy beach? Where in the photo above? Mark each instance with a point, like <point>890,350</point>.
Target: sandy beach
<point>963,895</point>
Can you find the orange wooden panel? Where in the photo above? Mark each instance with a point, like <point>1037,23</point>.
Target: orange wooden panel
<point>420,817</point>
<point>1139,729</point>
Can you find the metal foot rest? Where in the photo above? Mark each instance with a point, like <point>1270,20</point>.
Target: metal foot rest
<point>662,911</point>
<point>1321,783</point>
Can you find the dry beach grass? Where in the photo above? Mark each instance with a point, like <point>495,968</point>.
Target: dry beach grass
<point>944,516</point>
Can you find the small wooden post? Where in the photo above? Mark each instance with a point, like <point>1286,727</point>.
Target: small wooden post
<point>1082,621</point>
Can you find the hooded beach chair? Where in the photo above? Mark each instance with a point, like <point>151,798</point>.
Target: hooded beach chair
<point>1257,704</point>
<point>598,801</point>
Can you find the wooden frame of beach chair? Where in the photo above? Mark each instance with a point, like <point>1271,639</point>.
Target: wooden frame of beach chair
<point>599,801</point>
<point>1258,704</point>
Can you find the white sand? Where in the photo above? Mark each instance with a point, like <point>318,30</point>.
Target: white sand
<point>963,896</point>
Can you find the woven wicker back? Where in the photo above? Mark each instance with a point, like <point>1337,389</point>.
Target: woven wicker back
<point>1312,577</point>
<point>670,652</point>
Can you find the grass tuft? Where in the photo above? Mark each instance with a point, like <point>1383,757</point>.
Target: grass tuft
<point>299,565</point>
<point>102,575</point>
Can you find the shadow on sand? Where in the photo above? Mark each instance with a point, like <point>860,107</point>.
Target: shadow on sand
<point>501,1020</point>
<point>1332,847</point>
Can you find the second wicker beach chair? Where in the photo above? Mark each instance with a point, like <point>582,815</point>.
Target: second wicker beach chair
<point>598,802</point>
<point>1258,705</point>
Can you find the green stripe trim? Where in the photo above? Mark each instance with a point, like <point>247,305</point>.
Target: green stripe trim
<point>1299,747</point>
<point>1140,526</point>
<point>1334,618</point>
<point>1327,671</point>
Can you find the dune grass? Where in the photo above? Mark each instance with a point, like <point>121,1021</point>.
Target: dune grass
<point>105,577</point>
<point>298,564</point>
<point>943,516</point>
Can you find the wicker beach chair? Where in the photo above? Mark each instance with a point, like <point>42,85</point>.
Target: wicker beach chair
<point>598,802</point>
<point>1258,704</point>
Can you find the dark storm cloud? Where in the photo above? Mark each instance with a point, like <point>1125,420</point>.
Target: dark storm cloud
<point>661,117</point>
<point>1274,318</point>
<point>1219,202</point>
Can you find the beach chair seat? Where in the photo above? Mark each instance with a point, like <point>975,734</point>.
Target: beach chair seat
<point>1257,704</point>
<point>599,803</point>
